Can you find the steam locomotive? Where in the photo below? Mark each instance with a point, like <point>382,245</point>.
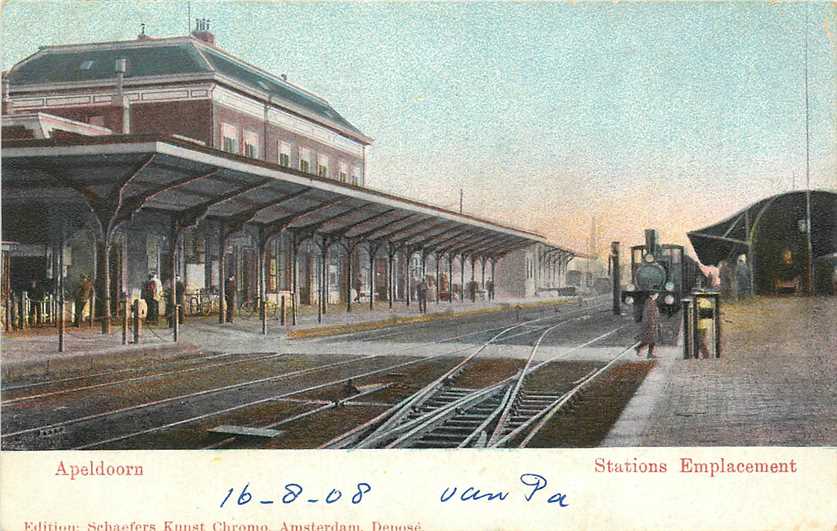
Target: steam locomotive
<point>664,269</point>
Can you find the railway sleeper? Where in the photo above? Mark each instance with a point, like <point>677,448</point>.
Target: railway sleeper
<point>527,411</point>
<point>436,435</point>
<point>431,444</point>
<point>541,396</point>
<point>540,399</point>
<point>457,432</point>
<point>464,423</point>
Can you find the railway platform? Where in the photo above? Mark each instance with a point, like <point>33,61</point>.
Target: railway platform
<point>36,352</point>
<point>773,386</point>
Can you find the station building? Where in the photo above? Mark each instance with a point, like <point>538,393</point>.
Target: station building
<point>172,156</point>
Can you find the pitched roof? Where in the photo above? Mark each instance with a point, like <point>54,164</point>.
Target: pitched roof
<point>169,57</point>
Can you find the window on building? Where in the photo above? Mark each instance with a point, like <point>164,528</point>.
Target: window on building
<point>356,175</point>
<point>284,154</point>
<point>343,173</point>
<point>229,135</point>
<point>322,166</point>
<point>251,144</point>
<point>305,160</point>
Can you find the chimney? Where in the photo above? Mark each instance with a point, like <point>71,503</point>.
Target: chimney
<point>202,32</point>
<point>119,99</point>
<point>142,36</point>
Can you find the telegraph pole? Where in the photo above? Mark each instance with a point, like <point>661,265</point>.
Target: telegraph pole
<point>810,264</point>
<point>616,277</point>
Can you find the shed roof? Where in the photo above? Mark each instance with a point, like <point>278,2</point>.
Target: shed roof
<point>732,236</point>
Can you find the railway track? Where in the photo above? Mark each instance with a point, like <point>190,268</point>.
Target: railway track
<point>94,381</point>
<point>445,416</point>
<point>525,328</point>
<point>75,433</point>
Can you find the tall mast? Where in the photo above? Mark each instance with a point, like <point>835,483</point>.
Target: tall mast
<point>810,264</point>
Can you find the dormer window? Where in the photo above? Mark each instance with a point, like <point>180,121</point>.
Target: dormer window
<point>86,65</point>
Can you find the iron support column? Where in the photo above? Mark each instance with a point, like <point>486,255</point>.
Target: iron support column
<point>450,278</point>
<point>373,250</point>
<point>222,280</point>
<point>438,283</point>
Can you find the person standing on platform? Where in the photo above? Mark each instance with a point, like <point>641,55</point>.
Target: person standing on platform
<point>422,295</point>
<point>84,293</point>
<point>742,277</point>
<point>36,300</point>
<point>229,297</point>
<point>151,295</point>
<point>650,319</point>
<point>726,277</point>
<point>490,287</point>
<point>180,297</point>
<point>358,288</point>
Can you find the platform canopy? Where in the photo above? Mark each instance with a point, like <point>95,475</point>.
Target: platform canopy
<point>736,234</point>
<point>115,177</point>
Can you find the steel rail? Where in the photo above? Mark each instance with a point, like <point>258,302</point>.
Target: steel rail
<point>172,361</point>
<point>138,379</point>
<point>252,382</point>
<point>434,418</point>
<point>327,406</point>
<point>548,413</point>
<point>387,424</point>
<point>511,400</point>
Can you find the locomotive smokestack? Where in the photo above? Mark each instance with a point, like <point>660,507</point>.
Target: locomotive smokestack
<point>651,239</point>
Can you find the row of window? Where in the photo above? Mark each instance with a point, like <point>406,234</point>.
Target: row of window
<point>305,156</point>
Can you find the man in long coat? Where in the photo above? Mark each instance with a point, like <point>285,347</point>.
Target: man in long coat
<point>648,332</point>
<point>742,277</point>
<point>229,297</point>
<point>727,278</point>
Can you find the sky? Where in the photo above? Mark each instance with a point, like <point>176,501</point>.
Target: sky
<point>643,115</point>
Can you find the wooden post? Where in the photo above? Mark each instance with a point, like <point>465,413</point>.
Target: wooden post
<point>59,284</point>
<point>176,312</point>
<point>124,306</point>
<point>137,322</point>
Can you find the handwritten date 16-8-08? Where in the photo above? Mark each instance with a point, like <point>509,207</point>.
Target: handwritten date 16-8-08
<point>293,492</point>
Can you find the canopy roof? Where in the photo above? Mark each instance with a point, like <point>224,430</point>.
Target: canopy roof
<point>125,174</point>
<point>734,235</point>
